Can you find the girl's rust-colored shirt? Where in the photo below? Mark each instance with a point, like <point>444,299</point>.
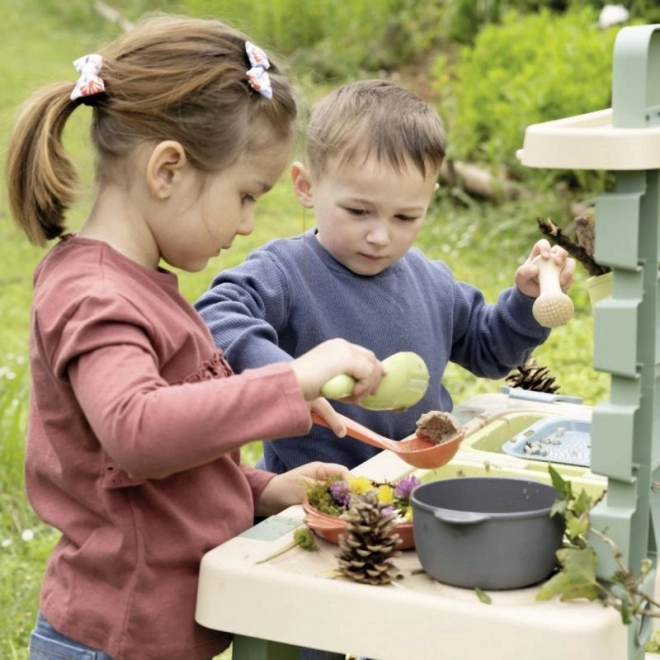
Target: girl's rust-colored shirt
<point>133,450</point>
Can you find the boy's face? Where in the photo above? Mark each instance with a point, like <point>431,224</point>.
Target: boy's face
<point>368,215</point>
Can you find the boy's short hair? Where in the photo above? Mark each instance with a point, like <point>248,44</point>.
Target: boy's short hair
<point>375,118</point>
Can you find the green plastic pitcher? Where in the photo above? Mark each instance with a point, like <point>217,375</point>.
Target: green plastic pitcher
<point>403,386</point>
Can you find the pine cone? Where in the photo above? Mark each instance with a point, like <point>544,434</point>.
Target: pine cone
<point>367,550</point>
<point>533,376</point>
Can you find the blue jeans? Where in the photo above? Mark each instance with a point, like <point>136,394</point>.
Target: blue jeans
<point>47,644</point>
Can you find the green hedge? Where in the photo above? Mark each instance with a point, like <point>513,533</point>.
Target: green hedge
<point>527,70</point>
<point>330,40</point>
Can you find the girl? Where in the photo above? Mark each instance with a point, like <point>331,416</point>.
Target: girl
<point>136,420</point>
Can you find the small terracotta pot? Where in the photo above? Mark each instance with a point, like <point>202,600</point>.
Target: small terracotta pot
<point>331,528</point>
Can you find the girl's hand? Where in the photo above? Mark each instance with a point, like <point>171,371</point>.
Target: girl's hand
<point>526,277</point>
<point>332,358</point>
<point>330,415</point>
<point>290,488</point>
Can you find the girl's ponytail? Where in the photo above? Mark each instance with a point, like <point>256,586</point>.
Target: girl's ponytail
<point>41,178</point>
<point>168,78</point>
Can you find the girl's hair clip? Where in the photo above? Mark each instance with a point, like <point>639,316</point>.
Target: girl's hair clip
<point>257,75</point>
<point>89,82</point>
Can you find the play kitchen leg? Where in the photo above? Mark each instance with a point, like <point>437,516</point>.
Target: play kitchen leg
<point>625,432</point>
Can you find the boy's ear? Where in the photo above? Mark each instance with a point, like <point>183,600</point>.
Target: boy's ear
<point>164,168</point>
<point>302,184</point>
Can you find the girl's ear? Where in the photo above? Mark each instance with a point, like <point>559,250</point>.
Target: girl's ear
<point>302,184</point>
<point>164,168</point>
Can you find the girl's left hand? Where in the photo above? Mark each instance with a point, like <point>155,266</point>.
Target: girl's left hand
<point>290,488</point>
<point>526,277</point>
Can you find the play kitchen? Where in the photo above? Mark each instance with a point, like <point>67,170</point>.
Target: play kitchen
<point>284,596</point>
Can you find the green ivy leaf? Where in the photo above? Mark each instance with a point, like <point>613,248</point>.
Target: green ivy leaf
<point>559,507</point>
<point>646,567</point>
<point>653,645</point>
<point>577,578</point>
<point>483,596</point>
<point>563,487</point>
<point>626,608</point>
<point>618,578</point>
<point>582,503</point>
<point>576,527</point>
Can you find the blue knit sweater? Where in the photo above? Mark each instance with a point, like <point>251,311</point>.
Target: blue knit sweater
<point>291,295</point>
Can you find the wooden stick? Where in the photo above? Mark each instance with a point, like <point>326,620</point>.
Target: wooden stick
<point>112,15</point>
<point>551,230</point>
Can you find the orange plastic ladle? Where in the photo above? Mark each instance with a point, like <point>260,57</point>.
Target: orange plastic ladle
<point>415,451</point>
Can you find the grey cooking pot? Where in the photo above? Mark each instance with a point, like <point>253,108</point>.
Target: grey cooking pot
<point>487,532</point>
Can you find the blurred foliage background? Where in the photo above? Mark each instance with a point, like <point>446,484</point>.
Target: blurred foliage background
<point>490,67</point>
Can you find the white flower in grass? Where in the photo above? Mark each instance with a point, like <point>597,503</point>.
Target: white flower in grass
<point>27,535</point>
<point>6,543</point>
<point>6,372</point>
<point>612,15</point>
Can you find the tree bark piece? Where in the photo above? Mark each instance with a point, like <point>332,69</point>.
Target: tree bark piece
<point>550,229</point>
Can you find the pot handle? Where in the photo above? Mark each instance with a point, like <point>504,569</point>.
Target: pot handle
<point>460,517</point>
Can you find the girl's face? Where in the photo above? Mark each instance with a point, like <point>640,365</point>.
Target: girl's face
<point>210,210</point>
<point>368,214</point>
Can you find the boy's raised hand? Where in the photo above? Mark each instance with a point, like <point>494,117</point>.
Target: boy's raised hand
<point>526,277</point>
<point>332,358</point>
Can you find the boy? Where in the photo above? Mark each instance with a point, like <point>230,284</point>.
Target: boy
<point>374,152</point>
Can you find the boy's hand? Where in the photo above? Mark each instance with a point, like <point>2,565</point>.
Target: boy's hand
<point>526,277</point>
<point>290,487</point>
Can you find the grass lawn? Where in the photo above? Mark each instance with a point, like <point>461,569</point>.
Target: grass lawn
<point>482,244</point>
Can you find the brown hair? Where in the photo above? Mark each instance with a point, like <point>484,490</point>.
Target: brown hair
<point>375,117</point>
<point>168,78</point>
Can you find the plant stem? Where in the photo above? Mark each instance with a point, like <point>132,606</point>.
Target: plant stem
<point>279,553</point>
<point>630,582</point>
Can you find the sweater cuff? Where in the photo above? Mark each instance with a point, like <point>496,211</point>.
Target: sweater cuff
<point>257,480</point>
<point>519,307</point>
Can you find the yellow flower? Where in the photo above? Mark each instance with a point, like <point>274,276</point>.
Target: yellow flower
<point>408,515</point>
<point>386,494</point>
<point>359,485</point>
